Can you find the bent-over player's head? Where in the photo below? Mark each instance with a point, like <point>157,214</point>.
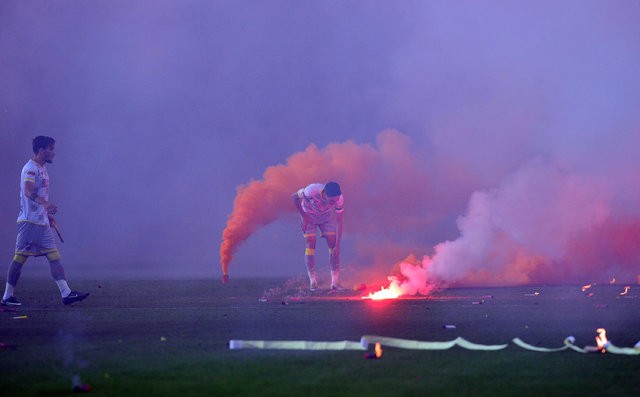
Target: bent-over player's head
<point>332,189</point>
<point>42,142</point>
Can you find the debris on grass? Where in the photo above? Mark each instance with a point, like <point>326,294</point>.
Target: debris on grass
<point>78,386</point>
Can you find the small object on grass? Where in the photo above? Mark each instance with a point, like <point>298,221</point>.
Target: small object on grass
<point>377,353</point>
<point>5,346</point>
<point>163,339</point>
<point>83,388</point>
<point>225,278</point>
<point>449,326</point>
<point>19,317</point>
<point>262,300</point>
<point>79,387</point>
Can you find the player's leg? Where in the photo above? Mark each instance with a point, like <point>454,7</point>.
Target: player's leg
<point>310,260</point>
<point>13,275</point>
<point>334,261</point>
<point>27,243</point>
<point>309,233</point>
<point>57,271</point>
<point>329,234</point>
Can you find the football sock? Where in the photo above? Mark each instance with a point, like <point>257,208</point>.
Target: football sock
<point>8,291</point>
<point>64,288</point>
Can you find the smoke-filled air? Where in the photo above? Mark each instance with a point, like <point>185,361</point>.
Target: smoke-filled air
<point>475,142</point>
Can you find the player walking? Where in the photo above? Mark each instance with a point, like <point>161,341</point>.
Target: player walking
<point>34,225</point>
<point>321,206</point>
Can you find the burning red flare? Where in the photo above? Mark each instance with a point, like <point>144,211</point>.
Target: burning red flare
<point>392,292</point>
<point>378,350</point>
<point>601,340</point>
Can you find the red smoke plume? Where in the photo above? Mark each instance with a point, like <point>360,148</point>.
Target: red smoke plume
<point>380,179</point>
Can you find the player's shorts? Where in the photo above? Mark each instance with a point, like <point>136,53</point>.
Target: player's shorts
<point>327,225</point>
<point>34,240</point>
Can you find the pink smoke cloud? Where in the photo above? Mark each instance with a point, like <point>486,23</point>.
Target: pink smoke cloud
<point>541,225</point>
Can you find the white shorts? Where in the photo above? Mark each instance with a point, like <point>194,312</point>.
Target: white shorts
<point>328,225</point>
<point>34,240</point>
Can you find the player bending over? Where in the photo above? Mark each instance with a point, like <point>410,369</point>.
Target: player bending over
<point>321,206</point>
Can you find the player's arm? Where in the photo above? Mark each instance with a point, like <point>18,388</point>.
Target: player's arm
<point>30,192</point>
<point>336,250</point>
<point>297,201</point>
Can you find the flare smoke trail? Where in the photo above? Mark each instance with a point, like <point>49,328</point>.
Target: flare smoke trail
<point>368,175</point>
<point>542,225</point>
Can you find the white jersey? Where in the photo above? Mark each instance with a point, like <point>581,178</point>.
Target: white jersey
<point>314,204</point>
<point>30,211</point>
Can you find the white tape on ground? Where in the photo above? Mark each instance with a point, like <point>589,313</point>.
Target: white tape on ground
<point>631,351</point>
<point>294,345</point>
<point>522,344</point>
<point>419,345</point>
<point>405,343</point>
<point>409,344</point>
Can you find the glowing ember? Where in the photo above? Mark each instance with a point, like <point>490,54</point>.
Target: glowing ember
<point>378,350</point>
<point>586,287</point>
<point>601,339</point>
<point>612,281</point>
<point>392,292</point>
<point>626,290</point>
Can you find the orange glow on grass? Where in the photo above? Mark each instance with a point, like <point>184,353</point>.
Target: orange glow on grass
<point>586,287</point>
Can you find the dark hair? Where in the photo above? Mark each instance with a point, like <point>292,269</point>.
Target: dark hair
<point>42,142</point>
<point>332,189</point>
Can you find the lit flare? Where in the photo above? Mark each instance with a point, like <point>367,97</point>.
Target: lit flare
<point>601,340</point>
<point>391,292</point>
<point>378,350</point>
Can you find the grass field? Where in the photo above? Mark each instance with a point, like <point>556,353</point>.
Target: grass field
<point>170,338</point>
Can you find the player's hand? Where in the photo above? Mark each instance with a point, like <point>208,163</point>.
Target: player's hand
<point>335,253</point>
<point>304,221</point>
<point>51,208</point>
